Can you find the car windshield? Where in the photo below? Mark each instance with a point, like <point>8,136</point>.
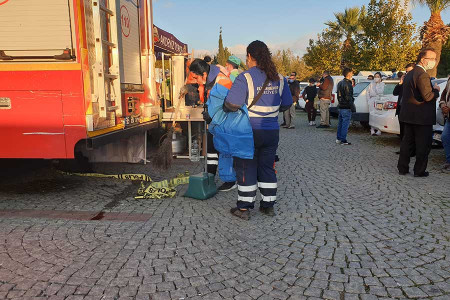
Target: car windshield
<point>359,88</point>
<point>389,88</point>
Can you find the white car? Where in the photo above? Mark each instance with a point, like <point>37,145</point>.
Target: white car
<point>439,127</point>
<point>383,117</point>
<point>360,94</point>
<point>301,102</point>
<point>334,112</point>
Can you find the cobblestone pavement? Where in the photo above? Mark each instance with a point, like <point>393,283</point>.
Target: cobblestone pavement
<point>347,227</point>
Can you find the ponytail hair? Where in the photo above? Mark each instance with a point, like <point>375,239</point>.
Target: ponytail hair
<point>261,53</point>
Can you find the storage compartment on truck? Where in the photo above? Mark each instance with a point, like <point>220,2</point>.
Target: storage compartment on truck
<point>35,28</point>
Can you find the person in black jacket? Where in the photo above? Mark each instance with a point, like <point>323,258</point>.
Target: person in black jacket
<point>309,93</point>
<point>346,106</point>
<point>419,114</point>
<point>398,91</point>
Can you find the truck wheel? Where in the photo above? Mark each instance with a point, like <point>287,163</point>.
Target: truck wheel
<point>79,164</point>
<point>365,124</point>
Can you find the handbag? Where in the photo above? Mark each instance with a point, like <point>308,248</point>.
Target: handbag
<point>232,131</point>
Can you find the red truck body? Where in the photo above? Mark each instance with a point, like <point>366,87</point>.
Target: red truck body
<point>49,102</point>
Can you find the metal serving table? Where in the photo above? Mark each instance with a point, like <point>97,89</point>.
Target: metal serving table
<point>189,115</point>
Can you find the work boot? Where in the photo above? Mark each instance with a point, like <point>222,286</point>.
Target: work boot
<point>243,214</point>
<point>267,211</point>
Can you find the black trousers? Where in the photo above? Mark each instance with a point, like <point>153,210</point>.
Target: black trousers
<point>402,129</point>
<point>416,138</point>
<point>311,110</point>
<point>212,156</point>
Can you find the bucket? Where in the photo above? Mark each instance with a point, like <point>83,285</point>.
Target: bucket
<point>178,143</point>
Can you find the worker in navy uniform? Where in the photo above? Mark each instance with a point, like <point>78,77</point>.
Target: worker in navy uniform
<point>259,172</point>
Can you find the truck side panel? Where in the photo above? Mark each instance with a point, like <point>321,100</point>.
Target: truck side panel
<point>34,118</point>
<point>46,115</point>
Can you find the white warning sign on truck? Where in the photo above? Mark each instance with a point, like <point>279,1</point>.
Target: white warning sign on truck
<point>129,41</point>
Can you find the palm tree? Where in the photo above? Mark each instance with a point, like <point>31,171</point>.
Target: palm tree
<point>434,32</point>
<point>347,25</point>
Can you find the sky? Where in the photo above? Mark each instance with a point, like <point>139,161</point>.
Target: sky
<point>280,24</point>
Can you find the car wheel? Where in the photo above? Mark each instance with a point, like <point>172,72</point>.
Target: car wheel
<point>365,124</point>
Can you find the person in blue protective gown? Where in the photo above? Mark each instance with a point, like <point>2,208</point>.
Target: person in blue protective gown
<point>276,97</point>
<point>217,84</point>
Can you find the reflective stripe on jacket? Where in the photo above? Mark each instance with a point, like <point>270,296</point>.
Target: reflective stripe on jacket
<point>261,111</point>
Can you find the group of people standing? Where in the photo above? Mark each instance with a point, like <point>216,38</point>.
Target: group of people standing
<point>261,94</point>
<point>322,90</point>
<point>416,110</point>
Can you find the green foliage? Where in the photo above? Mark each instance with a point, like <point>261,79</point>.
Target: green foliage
<point>444,66</point>
<point>346,26</point>
<point>347,23</point>
<point>379,37</point>
<point>324,53</point>
<point>435,6</point>
<point>389,39</point>
<point>286,62</point>
<point>221,55</point>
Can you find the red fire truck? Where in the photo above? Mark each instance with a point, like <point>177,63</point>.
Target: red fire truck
<point>74,73</point>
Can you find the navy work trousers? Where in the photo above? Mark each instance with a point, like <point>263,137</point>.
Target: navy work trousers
<point>258,172</point>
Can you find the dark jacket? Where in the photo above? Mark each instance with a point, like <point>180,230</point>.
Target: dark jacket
<point>445,97</point>
<point>345,94</point>
<point>419,99</point>
<point>294,87</point>
<point>326,88</point>
<point>398,91</point>
<point>309,93</point>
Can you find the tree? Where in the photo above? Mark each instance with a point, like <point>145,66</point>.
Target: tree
<point>324,53</point>
<point>223,53</point>
<point>444,66</point>
<point>227,54</point>
<point>221,57</point>
<point>286,62</point>
<point>434,32</point>
<point>347,25</point>
<point>388,40</point>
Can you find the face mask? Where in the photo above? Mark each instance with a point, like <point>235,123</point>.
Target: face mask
<point>431,64</point>
<point>376,79</point>
<point>291,80</point>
